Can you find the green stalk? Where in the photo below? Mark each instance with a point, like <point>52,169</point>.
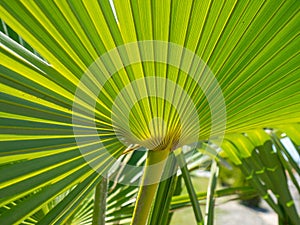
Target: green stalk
<point>160,209</point>
<point>100,203</point>
<point>166,216</point>
<point>189,186</point>
<point>150,181</point>
<point>209,211</point>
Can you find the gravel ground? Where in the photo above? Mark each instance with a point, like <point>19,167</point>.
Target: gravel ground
<point>233,213</point>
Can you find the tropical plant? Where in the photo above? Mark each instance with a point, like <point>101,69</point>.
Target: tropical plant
<point>94,91</point>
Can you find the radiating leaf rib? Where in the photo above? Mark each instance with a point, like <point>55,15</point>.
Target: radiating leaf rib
<point>36,201</point>
<point>251,47</point>
<point>85,171</point>
<point>102,25</point>
<point>36,36</point>
<point>66,207</point>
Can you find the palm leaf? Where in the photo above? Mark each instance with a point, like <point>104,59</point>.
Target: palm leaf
<point>265,169</point>
<point>250,47</point>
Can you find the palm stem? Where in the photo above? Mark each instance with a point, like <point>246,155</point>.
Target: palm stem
<point>160,209</point>
<point>100,203</point>
<point>148,188</point>
<point>209,211</point>
<point>189,186</point>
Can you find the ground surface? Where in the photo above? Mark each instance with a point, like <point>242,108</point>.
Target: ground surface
<point>233,213</point>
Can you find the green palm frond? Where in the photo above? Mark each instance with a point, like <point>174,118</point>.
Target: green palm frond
<point>59,134</point>
<point>265,169</point>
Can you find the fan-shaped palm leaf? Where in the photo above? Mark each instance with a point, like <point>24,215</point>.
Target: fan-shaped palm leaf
<point>251,48</point>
